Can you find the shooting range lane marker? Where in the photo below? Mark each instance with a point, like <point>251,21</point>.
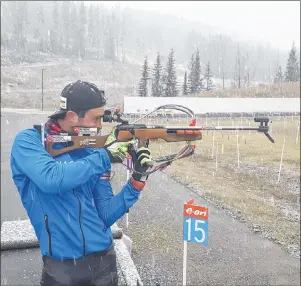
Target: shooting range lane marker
<point>237,144</point>
<point>213,136</point>
<point>284,122</point>
<point>298,132</point>
<point>249,126</point>
<point>216,156</point>
<point>195,229</point>
<point>280,167</point>
<point>271,128</point>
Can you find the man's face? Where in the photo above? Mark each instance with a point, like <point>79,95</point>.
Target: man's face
<point>92,118</point>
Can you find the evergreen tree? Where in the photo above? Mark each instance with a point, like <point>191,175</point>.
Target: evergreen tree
<point>164,82</point>
<point>279,76</point>
<point>24,24</point>
<point>185,87</point>
<point>110,44</point>
<point>66,16</point>
<point>55,30</point>
<point>142,89</point>
<point>171,78</point>
<point>191,87</point>
<point>292,73</point>
<point>198,81</point>
<point>73,30</point>
<point>157,78</point>
<point>208,77</point>
<point>77,30</point>
<point>195,81</point>
<point>19,16</point>
<point>82,30</point>
<point>99,25</point>
<point>238,68</point>
<point>247,71</point>
<point>92,26</point>
<point>41,30</point>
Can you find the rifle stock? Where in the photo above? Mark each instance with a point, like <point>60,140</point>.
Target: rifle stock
<point>77,142</point>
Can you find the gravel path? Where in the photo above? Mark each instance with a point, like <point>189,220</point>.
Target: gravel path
<point>234,256</point>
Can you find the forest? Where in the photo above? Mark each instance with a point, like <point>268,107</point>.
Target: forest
<point>81,30</point>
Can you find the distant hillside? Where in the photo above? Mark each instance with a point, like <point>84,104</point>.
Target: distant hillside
<point>21,84</point>
<point>77,30</point>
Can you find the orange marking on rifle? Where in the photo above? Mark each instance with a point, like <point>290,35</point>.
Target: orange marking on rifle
<point>180,132</point>
<point>188,132</point>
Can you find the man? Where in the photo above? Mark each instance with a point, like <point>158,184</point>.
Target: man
<point>69,198</point>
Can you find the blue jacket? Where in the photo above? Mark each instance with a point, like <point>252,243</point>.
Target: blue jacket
<point>68,199</point>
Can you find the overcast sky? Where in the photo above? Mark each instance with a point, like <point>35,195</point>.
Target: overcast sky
<point>277,22</point>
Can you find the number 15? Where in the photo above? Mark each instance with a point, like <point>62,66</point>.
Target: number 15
<point>196,228</point>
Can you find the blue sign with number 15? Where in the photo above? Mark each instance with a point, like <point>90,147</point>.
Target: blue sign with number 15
<point>195,228</point>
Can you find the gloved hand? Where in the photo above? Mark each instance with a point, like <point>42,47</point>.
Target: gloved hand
<point>117,150</point>
<point>142,164</point>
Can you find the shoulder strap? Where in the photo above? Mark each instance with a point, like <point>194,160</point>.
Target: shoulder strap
<point>38,127</point>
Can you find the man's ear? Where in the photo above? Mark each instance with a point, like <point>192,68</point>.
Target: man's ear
<point>72,117</point>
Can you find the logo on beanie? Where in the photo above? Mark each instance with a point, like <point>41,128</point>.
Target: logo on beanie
<point>63,103</point>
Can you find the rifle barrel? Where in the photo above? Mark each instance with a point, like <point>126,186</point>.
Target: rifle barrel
<point>202,128</point>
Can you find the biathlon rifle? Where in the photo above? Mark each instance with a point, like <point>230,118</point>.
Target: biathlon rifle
<point>125,131</point>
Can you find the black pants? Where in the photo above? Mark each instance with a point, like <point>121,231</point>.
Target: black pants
<point>93,269</point>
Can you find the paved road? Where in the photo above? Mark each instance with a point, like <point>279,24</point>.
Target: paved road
<point>234,256</point>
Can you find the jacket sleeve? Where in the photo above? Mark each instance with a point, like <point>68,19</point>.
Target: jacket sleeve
<point>31,159</point>
<point>111,207</point>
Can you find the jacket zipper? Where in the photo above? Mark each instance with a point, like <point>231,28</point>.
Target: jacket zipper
<point>49,235</point>
<point>80,224</point>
